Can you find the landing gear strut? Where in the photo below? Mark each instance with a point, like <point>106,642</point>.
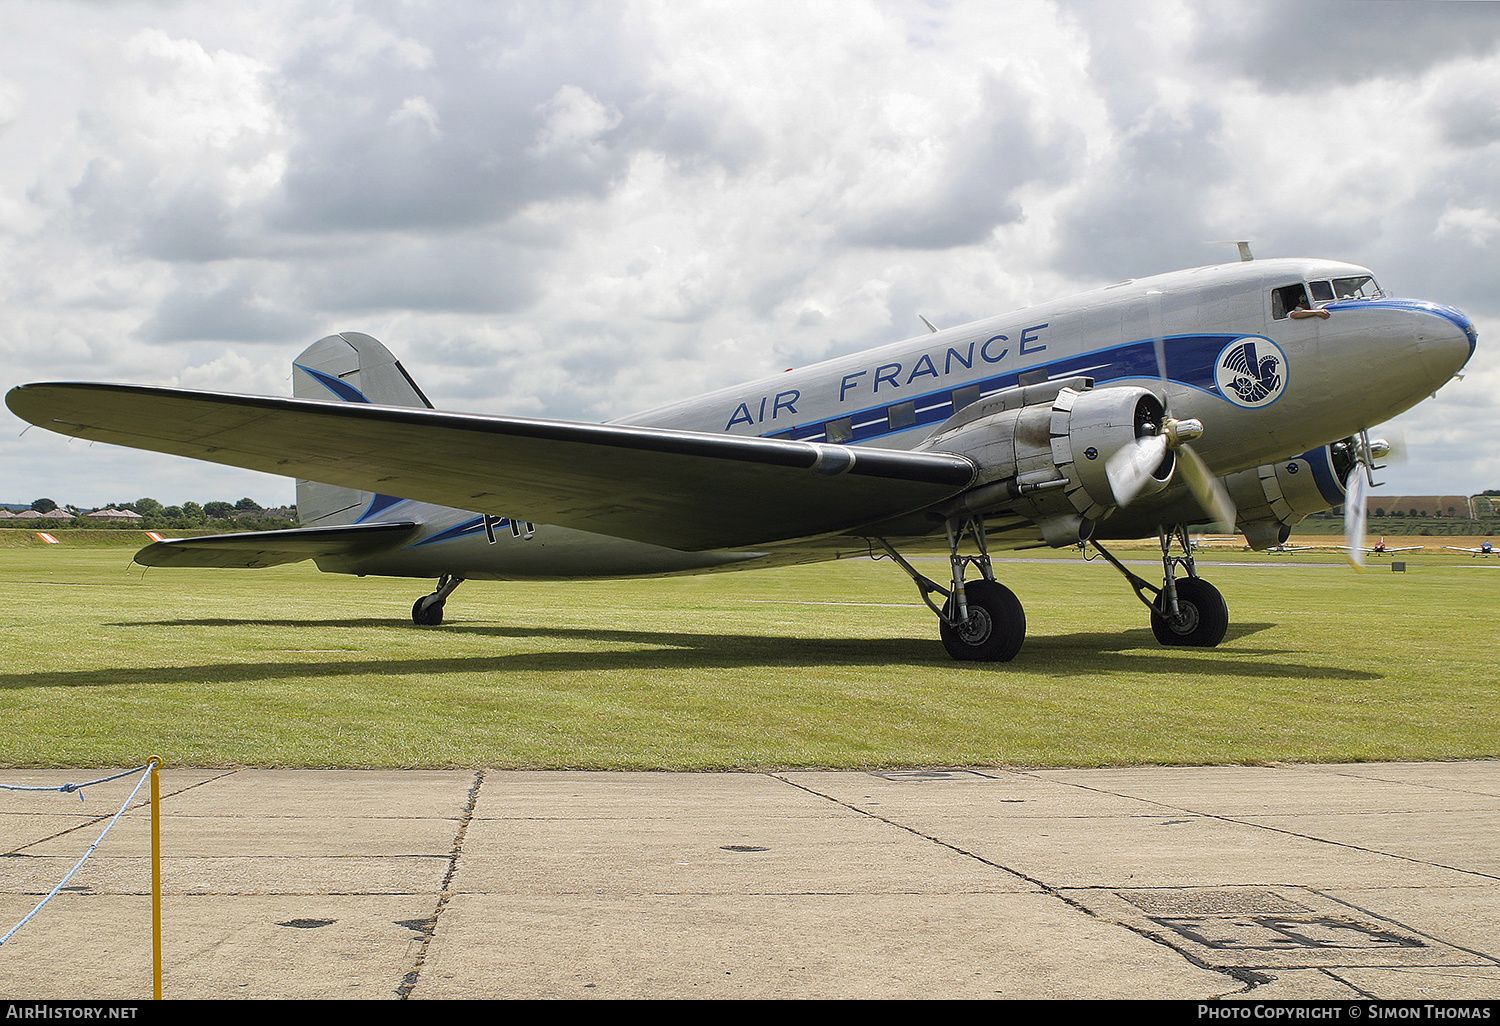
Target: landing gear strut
<point>427,611</point>
<point>981,621</point>
<point>1187,611</point>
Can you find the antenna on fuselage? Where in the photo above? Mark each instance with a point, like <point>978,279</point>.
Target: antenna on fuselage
<point>1243,244</point>
<point>925,321</point>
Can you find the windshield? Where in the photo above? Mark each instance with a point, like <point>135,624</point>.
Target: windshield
<point>1362,287</point>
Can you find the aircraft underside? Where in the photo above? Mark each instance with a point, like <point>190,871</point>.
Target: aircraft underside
<point>980,619</point>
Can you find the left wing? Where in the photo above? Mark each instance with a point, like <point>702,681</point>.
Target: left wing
<point>683,489</point>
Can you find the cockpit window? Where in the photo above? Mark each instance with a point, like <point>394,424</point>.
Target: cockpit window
<point>1362,287</point>
<point>1285,300</point>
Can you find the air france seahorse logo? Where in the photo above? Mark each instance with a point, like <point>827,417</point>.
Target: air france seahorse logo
<point>1251,372</point>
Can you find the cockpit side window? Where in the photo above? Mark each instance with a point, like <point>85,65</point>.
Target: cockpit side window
<point>1322,291</point>
<point>1284,300</point>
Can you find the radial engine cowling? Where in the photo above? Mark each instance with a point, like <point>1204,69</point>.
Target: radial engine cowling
<point>1274,497</point>
<point>1042,451</point>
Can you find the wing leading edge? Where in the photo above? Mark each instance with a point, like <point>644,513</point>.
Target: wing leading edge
<point>682,489</point>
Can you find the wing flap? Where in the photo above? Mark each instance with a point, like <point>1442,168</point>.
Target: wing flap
<point>682,489</point>
<point>248,549</point>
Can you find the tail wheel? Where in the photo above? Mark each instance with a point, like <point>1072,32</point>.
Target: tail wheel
<point>995,629</point>
<point>1202,618</point>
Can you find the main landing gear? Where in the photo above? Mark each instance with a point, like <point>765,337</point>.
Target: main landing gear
<point>427,611</point>
<point>980,621</point>
<point>1187,611</point>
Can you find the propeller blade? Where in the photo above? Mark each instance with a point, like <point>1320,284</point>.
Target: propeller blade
<point>1130,468</point>
<point>1206,488</point>
<point>1354,517</point>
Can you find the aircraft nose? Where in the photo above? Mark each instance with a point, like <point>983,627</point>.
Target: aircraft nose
<point>1446,341</point>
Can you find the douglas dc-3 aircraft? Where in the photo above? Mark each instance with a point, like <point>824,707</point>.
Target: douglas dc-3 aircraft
<point>1062,424</point>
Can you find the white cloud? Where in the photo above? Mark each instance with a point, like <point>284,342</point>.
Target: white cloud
<point>585,210</point>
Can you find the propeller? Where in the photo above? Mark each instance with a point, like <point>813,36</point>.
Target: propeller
<point>1132,467</point>
<point>1367,451</point>
<point>1354,515</point>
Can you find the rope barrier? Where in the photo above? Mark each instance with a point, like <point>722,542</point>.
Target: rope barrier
<point>148,772</point>
<point>69,788</point>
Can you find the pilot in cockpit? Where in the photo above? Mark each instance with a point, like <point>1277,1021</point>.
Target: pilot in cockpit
<point>1303,310</point>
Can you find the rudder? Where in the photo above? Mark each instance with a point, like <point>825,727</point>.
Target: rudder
<point>354,368</point>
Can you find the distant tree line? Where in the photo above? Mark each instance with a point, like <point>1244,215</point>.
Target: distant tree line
<point>246,514</point>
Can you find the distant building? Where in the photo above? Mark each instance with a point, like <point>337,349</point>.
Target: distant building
<point>114,514</point>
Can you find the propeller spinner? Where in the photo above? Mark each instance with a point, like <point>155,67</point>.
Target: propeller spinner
<point>1132,467</point>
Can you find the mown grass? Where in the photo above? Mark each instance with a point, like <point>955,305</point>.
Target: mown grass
<point>833,665</point>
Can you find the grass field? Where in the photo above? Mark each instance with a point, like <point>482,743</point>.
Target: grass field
<point>834,665</point>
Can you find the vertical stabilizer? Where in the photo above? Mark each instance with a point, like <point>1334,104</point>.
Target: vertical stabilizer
<point>352,368</point>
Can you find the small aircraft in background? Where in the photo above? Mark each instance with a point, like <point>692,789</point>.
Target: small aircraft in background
<point>1144,407</point>
<point>1284,548</point>
<point>1484,549</point>
<point>1380,548</point>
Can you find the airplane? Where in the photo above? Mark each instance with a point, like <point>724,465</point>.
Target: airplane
<point>1143,407</point>
<point>1380,548</point>
<point>1284,549</point>
<point>1483,549</point>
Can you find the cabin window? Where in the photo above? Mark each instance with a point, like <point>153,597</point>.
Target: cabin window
<point>902,415</point>
<point>1284,300</point>
<point>1362,287</point>
<point>965,396</point>
<point>839,431</point>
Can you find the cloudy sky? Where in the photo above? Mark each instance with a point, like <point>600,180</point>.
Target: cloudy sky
<point>577,210</point>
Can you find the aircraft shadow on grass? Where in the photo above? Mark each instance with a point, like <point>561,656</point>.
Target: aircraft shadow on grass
<point>1132,651</point>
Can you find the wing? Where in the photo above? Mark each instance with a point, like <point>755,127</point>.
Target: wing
<point>683,489</point>
<point>272,548</point>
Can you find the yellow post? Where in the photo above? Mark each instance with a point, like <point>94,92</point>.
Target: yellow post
<point>155,763</point>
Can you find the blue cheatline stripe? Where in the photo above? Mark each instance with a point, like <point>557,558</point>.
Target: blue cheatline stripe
<point>468,527</point>
<point>378,505</point>
<point>343,390</point>
<point>463,530</point>
<point>1190,361</point>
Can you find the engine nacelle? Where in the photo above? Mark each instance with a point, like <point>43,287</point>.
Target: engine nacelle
<point>1274,497</point>
<point>1042,451</point>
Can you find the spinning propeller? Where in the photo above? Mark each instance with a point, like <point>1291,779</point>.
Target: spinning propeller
<point>1134,466</point>
<point>1356,487</point>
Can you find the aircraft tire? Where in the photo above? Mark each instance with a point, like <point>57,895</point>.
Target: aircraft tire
<point>996,627</point>
<point>1205,617</point>
<point>426,613</point>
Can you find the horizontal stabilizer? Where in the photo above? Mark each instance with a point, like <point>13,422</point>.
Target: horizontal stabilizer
<point>687,490</point>
<point>272,548</point>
